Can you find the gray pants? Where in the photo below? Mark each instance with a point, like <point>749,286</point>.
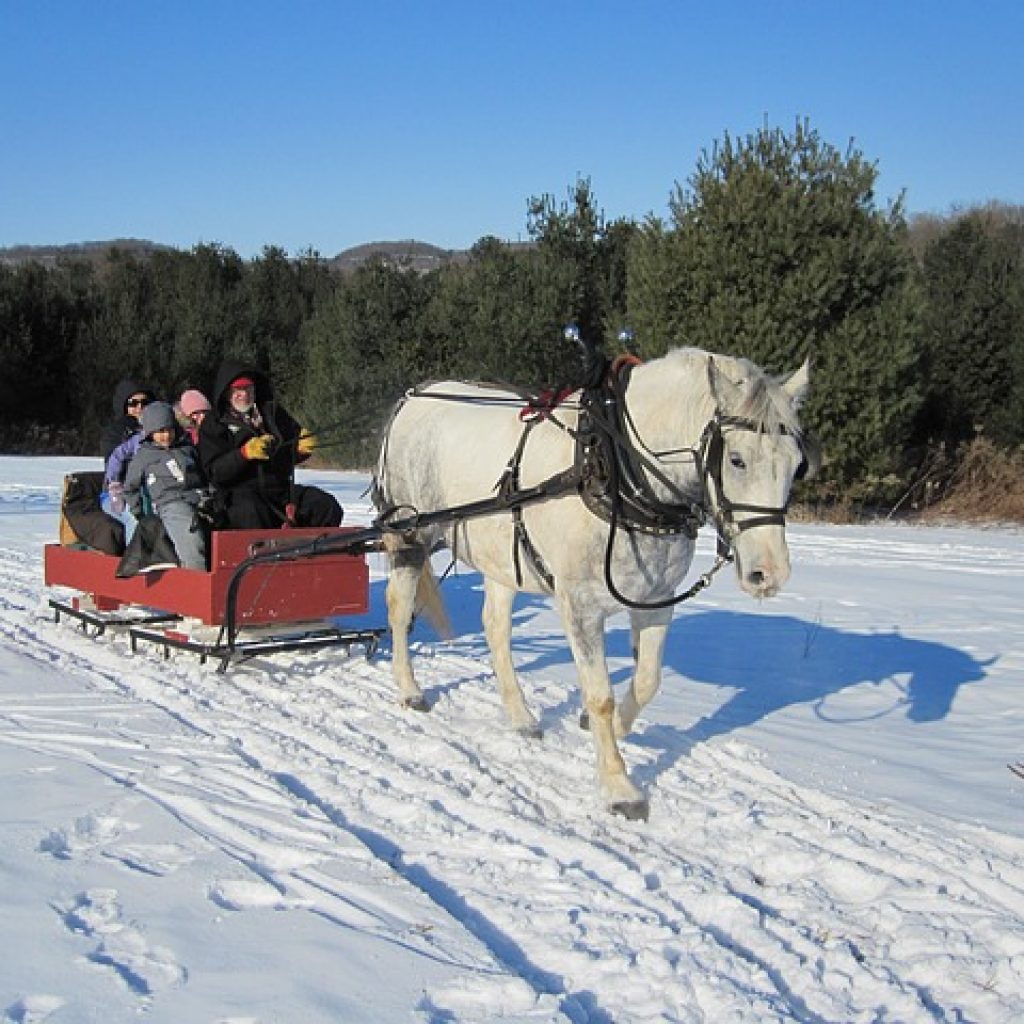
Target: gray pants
<point>188,543</point>
<point>121,514</point>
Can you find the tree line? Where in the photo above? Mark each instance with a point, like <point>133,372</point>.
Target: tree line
<point>775,249</point>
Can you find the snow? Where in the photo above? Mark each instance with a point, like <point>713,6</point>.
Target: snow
<point>834,835</point>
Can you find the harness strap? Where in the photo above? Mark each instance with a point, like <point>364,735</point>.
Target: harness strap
<point>617,476</point>
<point>509,485</point>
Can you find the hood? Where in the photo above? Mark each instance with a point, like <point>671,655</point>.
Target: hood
<point>126,387</point>
<point>229,370</point>
<point>158,416</point>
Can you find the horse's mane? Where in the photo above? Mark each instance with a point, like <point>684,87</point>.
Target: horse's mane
<point>761,399</point>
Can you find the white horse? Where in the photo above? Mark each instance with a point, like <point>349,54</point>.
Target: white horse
<point>704,435</point>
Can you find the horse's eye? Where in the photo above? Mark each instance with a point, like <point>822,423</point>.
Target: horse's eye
<point>736,461</point>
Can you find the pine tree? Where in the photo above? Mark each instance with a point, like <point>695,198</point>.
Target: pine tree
<point>776,252</point>
<point>361,348</point>
<point>576,237</point>
<point>974,331</point>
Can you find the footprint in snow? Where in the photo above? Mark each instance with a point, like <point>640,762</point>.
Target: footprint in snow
<point>94,912</point>
<point>32,1009</point>
<point>145,968</point>
<point>238,895</point>
<point>87,833</point>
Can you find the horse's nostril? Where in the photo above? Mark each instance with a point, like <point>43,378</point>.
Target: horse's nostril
<point>756,578</point>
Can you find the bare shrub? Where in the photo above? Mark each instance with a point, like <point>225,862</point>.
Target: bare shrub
<point>986,484</point>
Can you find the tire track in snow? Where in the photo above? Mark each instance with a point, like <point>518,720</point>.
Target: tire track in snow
<point>849,546</point>
<point>730,897</point>
<point>247,815</point>
<point>207,698</point>
<point>510,847</point>
<point>850,953</point>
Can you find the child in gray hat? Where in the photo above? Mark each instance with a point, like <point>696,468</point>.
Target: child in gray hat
<point>166,471</point>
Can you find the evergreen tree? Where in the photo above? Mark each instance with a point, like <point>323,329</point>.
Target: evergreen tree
<point>500,316</point>
<point>576,237</point>
<point>40,313</point>
<point>280,295</point>
<point>974,331</point>
<point>361,356</point>
<point>776,252</point>
<point>115,341</point>
<point>199,305</point>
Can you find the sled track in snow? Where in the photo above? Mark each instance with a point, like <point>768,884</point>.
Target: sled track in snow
<point>743,894</point>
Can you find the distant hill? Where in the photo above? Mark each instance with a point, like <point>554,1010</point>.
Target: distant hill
<point>93,252</point>
<point>418,256</point>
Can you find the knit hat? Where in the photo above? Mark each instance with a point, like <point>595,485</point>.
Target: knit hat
<point>193,401</point>
<point>242,382</point>
<point>158,416</point>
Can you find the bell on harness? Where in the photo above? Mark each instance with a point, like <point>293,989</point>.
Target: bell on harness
<point>595,363</point>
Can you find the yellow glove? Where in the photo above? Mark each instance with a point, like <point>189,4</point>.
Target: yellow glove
<point>259,447</point>
<point>306,443</point>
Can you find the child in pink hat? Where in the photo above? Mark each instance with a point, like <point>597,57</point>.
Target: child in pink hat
<point>194,406</point>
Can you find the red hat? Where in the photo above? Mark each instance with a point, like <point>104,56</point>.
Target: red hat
<point>243,382</point>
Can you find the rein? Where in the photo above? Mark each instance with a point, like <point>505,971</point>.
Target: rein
<point>620,492</point>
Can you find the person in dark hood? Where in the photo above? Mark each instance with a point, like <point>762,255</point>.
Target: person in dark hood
<point>130,398</point>
<point>249,446</point>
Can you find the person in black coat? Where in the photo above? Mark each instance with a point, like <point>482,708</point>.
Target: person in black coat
<point>130,397</point>
<point>249,446</point>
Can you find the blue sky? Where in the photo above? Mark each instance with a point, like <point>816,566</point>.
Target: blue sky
<point>309,123</point>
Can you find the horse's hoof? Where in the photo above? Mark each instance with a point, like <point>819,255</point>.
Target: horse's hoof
<point>585,720</point>
<point>415,703</point>
<point>632,810</point>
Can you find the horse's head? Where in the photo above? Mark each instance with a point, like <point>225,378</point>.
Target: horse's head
<point>754,449</point>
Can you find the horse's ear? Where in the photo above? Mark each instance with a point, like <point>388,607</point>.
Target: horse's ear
<point>797,384</point>
<point>723,390</point>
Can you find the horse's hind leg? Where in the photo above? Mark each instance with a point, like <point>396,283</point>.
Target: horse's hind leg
<point>649,631</point>
<point>497,616</point>
<point>584,626</point>
<point>407,562</point>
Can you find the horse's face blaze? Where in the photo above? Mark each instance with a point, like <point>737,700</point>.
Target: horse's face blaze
<point>759,470</point>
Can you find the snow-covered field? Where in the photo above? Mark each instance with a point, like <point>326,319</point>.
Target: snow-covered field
<point>834,835</point>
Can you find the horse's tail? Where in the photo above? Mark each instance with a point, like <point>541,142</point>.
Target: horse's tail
<point>429,601</point>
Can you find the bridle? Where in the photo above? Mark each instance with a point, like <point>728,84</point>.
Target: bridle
<point>709,456</point>
<point>623,460</point>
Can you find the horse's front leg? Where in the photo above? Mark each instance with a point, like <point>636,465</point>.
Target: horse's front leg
<point>649,631</point>
<point>584,626</point>
<point>407,563</point>
<point>497,616</point>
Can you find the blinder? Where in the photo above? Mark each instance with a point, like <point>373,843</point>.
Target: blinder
<point>810,448</point>
<point>713,455</point>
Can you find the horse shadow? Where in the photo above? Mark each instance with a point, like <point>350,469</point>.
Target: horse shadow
<point>768,662</point>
